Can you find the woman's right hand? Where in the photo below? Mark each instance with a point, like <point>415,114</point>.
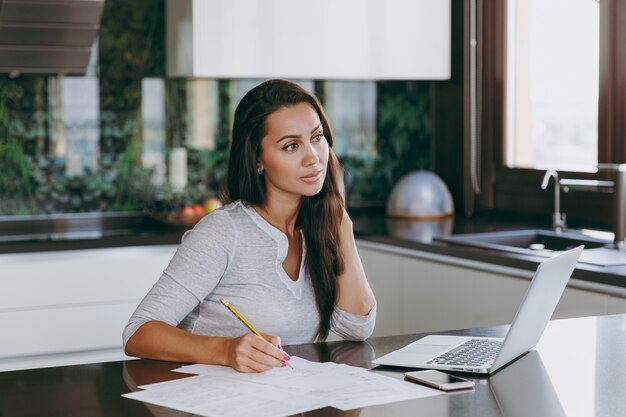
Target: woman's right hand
<point>250,353</point>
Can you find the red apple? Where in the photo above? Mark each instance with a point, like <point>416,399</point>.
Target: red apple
<point>198,210</point>
<point>187,212</point>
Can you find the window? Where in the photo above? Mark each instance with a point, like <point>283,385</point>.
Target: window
<point>552,84</point>
<point>75,124</point>
<point>351,108</point>
<point>153,128</point>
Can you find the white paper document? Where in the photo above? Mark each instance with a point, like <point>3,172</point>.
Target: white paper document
<point>222,391</point>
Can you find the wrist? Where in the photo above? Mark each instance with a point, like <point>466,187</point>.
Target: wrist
<point>215,350</point>
<point>223,350</point>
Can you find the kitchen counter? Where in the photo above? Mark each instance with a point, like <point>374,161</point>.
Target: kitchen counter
<point>88,231</point>
<point>83,231</point>
<point>418,236</point>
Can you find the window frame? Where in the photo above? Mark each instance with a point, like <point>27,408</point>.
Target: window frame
<point>517,190</point>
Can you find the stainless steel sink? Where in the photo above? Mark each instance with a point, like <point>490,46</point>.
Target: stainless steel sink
<point>536,241</point>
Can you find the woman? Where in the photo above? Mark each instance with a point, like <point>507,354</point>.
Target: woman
<point>282,252</point>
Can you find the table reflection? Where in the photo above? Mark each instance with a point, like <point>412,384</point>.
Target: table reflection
<point>420,230</point>
<point>349,353</point>
<point>587,370</point>
<point>145,371</point>
<point>524,389</point>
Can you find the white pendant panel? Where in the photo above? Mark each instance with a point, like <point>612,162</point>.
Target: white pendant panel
<point>322,39</point>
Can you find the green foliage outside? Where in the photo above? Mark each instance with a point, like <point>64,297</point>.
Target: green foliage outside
<point>206,172</point>
<point>132,40</point>
<point>403,141</point>
<point>40,184</point>
<point>16,184</point>
<point>119,184</point>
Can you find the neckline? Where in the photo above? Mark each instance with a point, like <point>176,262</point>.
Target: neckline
<point>270,225</point>
<point>282,241</point>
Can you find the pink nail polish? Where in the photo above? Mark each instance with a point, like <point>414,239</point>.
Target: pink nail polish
<point>283,365</point>
<point>279,346</point>
<point>286,357</point>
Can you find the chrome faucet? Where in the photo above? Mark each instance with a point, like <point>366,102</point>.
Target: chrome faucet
<point>558,218</point>
<point>617,186</point>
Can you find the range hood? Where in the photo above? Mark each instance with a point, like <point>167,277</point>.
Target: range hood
<point>51,36</point>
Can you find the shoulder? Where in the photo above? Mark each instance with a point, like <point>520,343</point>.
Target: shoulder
<point>217,218</point>
<point>227,220</point>
<point>215,226</point>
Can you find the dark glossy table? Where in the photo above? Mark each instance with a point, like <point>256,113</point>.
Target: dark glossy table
<point>578,369</point>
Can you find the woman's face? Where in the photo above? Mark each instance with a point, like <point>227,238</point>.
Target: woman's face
<point>294,152</point>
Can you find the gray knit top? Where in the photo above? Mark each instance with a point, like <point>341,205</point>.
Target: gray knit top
<point>234,253</point>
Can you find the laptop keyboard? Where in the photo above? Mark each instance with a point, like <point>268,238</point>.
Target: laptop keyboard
<point>474,352</point>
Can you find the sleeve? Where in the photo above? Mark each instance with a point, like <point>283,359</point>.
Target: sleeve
<point>351,326</point>
<point>195,270</point>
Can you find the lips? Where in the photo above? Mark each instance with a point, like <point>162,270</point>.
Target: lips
<point>313,177</point>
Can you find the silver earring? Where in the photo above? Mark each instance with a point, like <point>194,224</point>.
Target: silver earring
<point>259,170</point>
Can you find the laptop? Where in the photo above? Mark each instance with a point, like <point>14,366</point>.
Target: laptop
<point>485,355</point>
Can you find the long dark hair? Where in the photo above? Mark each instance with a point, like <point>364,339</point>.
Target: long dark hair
<point>320,215</point>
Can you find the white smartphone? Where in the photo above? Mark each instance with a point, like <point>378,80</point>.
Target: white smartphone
<point>439,380</point>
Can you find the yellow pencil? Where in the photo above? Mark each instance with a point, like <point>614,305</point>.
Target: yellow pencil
<point>244,321</point>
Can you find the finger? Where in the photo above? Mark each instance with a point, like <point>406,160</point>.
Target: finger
<point>270,349</point>
<point>260,351</point>
<point>264,358</point>
<point>260,364</point>
<point>246,370</point>
<point>274,340</point>
<point>278,344</point>
<point>253,369</point>
<point>249,359</point>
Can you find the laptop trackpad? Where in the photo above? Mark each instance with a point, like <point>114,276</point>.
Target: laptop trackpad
<point>423,349</point>
<point>413,355</point>
<point>431,346</point>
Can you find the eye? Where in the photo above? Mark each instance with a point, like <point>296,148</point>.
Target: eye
<point>318,137</point>
<point>291,147</point>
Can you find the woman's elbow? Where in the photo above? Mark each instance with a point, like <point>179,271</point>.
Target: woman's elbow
<point>133,339</point>
<point>130,348</point>
<point>361,336</point>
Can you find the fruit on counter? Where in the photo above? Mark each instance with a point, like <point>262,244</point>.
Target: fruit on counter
<point>187,212</point>
<point>211,204</point>
<point>198,210</point>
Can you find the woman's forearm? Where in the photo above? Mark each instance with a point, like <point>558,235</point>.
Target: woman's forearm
<point>354,294</point>
<point>158,340</point>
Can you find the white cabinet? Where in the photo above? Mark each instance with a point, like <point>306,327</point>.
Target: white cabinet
<point>616,305</point>
<point>580,303</point>
<point>384,273</point>
<point>421,292</point>
<point>439,296</point>
<point>72,301</point>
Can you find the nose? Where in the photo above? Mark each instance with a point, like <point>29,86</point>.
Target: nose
<point>311,157</point>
